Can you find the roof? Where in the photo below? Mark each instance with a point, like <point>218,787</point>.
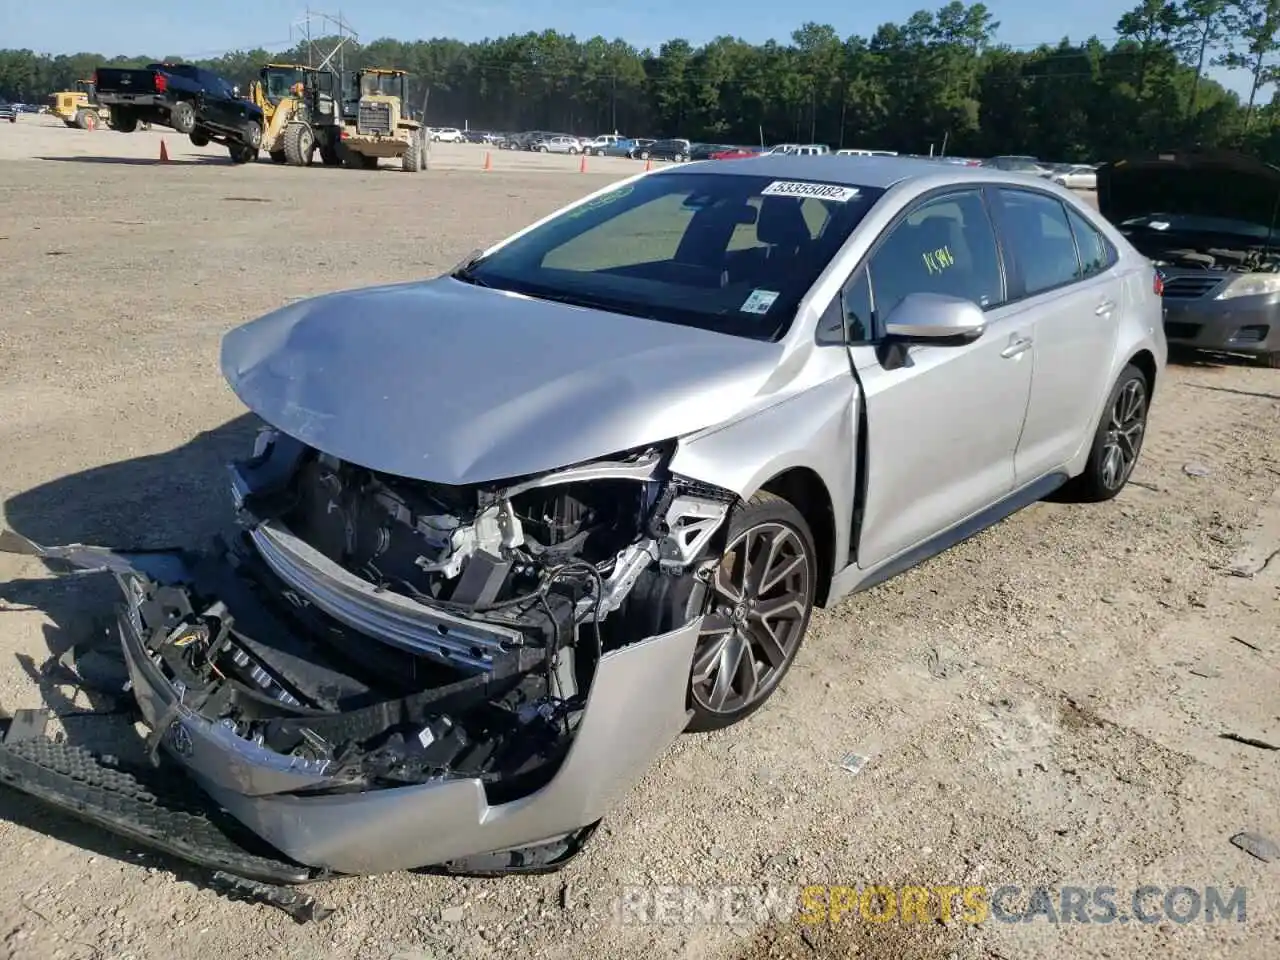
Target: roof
<point>879,172</point>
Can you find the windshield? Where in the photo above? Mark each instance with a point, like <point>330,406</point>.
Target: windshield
<point>729,253</point>
<point>380,84</point>
<point>280,81</point>
<point>1194,223</point>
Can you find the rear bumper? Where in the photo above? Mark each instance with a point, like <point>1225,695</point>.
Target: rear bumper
<point>634,709</point>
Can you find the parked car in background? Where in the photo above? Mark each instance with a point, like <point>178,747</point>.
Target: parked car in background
<point>1077,176</point>
<point>447,135</point>
<point>8,111</point>
<point>737,153</point>
<point>676,150</point>
<point>705,151</point>
<point>1208,224</point>
<point>466,614</point>
<point>618,148</point>
<point>638,145</point>
<point>558,144</point>
<point>609,144</point>
<point>478,136</point>
<point>1012,164</point>
<point>799,149</point>
<point>854,152</point>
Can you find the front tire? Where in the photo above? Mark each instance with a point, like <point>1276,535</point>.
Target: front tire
<point>199,138</point>
<point>756,606</point>
<point>1117,443</point>
<point>299,144</point>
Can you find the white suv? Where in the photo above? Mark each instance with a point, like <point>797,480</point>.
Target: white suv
<point>447,135</point>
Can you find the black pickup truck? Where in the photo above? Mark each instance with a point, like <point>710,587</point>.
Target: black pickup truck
<point>199,103</point>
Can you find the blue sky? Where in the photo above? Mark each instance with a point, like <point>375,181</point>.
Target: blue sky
<point>190,29</point>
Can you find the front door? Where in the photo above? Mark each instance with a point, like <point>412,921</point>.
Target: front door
<point>942,421</point>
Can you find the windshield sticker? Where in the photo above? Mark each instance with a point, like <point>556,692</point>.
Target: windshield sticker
<point>819,191</point>
<point>759,302</point>
<point>613,196</point>
<point>935,261</point>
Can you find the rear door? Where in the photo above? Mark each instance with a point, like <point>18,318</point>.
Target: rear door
<point>942,422</point>
<point>1062,274</point>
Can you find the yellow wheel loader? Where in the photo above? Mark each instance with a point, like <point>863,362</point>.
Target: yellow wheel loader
<point>298,107</point>
<point>376,124</point>
<point>79,108</point>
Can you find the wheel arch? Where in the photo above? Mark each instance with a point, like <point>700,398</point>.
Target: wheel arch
<point>1145,361</point>
<point>805,490</point>
<point>802,450</point>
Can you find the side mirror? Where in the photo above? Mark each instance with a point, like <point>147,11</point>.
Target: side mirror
<point>935,318</point>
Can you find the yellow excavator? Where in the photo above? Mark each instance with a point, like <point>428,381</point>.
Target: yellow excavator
<point>286,92</point>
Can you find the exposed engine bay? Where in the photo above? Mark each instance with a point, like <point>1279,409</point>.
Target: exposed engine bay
<point>1209,257</point>
<point>380,631</point>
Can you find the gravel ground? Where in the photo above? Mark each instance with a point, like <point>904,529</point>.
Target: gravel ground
<point>1043,705</point>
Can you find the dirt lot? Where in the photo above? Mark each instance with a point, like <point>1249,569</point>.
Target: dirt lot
<point>1044,705</point>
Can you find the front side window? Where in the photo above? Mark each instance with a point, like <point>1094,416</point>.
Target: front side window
<point>1040,239</point>
<point>725,252</point>
<point>947,246</point>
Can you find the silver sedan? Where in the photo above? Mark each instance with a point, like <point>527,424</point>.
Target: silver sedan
<point>509,531</point>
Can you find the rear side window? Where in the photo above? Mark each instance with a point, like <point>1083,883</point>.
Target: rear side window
<point>1095,252</point>
<point>947,246</point>
<point>1040,239</point>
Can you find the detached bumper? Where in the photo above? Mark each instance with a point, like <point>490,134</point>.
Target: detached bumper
<point>635,708</point>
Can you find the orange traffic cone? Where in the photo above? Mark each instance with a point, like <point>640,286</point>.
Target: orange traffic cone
<point>164,153</point>
<point>582,166</point>
<point>488,161</point>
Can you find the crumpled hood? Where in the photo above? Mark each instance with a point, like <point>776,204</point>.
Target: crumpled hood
<point>1226,185</point>
<point>456,384</point>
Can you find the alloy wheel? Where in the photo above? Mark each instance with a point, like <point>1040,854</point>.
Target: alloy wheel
<point>1125,430</point>
<point>760,594</point>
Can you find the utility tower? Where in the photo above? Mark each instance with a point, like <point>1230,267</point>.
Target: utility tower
<point>326,36</point>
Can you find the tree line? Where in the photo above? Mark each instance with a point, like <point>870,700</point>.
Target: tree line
<point>940,81</point>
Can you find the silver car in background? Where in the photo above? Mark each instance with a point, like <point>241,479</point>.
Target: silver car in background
<point>509,531</point>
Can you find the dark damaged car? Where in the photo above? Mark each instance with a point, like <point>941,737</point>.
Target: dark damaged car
<point>1211,225</point>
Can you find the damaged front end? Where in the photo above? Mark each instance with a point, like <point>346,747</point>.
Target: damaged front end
<point>385,674</point>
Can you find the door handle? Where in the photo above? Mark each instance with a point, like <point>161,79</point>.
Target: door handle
<point>1017,346</point>
<point>1105,307</point>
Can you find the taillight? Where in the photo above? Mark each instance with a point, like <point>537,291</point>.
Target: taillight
<point>161,83</point>
<point>95,78</point>
<point>1157,283</point>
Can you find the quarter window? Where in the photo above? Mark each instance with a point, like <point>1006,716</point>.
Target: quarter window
<point>1095,252</point>
<point>945,246</point>
<point>1040,238</point>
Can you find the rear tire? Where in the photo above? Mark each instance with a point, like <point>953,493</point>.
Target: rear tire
<point>199,137</point>
<point>123,122</point>
<point>1117,442</point>
<point>242,153</point>
<point>82,121</point>
<point>183,117</point>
